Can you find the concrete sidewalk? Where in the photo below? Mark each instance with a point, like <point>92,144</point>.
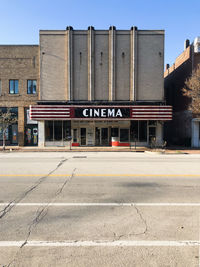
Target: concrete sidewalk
<point>169,150</point>
<point>73,149</point>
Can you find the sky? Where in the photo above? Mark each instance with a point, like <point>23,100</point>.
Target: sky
<point>21,20</point>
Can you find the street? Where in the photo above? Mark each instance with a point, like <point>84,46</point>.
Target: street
<point>99,209</point>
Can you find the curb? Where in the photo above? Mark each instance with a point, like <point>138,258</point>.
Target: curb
<point>103,149</point>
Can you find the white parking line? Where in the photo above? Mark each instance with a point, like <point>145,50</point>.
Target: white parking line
<point>103,204</point>
<point>155,175</point>
<point>101,243</point>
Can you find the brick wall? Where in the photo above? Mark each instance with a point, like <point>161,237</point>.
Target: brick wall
<point>178,131</point>
<point>182,58</point>
<point>19,62</point>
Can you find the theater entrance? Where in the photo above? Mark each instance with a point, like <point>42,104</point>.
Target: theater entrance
<point>87,137</point>
<point>101,136</point>
<point>100,133</point>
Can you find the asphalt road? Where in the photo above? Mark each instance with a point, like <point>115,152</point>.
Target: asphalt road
<point>99,209</point>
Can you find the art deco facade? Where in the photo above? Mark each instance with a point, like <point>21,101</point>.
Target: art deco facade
<point>99,87</point>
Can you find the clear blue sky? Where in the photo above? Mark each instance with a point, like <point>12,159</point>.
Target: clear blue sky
<point>21,20</point>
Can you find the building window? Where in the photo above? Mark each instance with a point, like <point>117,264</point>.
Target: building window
<point>124,135</point>
<point>75,135</point>
<point>57,130</point>
<point>13,87</point>
<point>49,136</point>
<point>114,132</point>
<point>138,131</point>
<point>11,133</point>
<point>31,86</point>
<point>143,131</point>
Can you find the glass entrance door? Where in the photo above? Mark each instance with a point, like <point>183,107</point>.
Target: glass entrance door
<point>97,136</point>
<point>152,135</point>
<point>90,136</point>
<point>104,137</point>
<point>83,136</point>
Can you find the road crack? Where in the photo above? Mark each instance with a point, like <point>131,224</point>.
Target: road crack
<point>143,220</point>
<point>42,211</point>
<point>119,237</point>
<point>66,181</point>
<point>12,203</point>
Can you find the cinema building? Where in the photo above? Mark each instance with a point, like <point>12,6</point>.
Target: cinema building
<point>101,88</point>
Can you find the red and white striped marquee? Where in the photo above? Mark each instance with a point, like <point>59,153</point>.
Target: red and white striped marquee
<point>64,112</point>
<point>151,113</point>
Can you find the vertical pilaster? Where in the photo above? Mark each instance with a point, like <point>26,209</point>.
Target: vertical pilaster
<point>159,133</point>
<point>21,126</point>
<point>69,67</point>
<point>90,63</point>
<point>133,65</point>
<point>41,135</point>
<point>112,37</point>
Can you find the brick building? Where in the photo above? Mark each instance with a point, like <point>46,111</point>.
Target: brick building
<point>183,129</point>
<point>102,87</point>
<point>19,79</point>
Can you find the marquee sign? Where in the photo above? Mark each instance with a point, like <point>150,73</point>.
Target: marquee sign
<point>64,112</point>
<point>105,112</point>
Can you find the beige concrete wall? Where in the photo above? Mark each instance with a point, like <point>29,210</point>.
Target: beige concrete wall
<point>88,66</point>
<point>101,69</point>
<point>122,67</point>
<point>20,62</point>
<point>53,65</point>
<point>80,66</point>
<point>150,83</point>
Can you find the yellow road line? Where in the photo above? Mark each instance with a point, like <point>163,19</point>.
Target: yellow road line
<point>142,175</point>
<point>101,175</point>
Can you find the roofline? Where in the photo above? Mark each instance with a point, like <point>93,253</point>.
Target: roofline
<point>161,31</point>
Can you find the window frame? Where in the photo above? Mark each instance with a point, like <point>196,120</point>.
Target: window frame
<point>120,135</point>
<point>114,132</point>
<point>31,92</point>
<point>14,92</point>
<point>65,130</point>
<point>136,132</point>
